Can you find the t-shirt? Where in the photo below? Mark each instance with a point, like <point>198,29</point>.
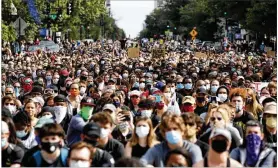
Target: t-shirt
<point>102,159</point>
<point>28,154</point>
<point>156,155</point>
<point>243,119</point>
<point>115,148</point>
<point>12,155</point>
<point>203,146</point>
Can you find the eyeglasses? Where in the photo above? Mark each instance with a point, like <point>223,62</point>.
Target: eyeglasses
<point>190,124</point>
<point>213,118</point>
<point>227,84</point>
<point>12,104</point>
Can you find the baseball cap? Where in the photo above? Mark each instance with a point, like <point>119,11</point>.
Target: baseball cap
<point>64,72</point>
<point>268,100</point>
<point>44,120</point>
<point>88,101</point>
<point>60,98</point>
<point>220,132</point>
<point>4,127</point>
<point>112,80</point>
<point>159,84</point>
<point>135,93</point>
<point>240,77</point>
<point>37,89</point>
<point>39,100</point>
<point>270,108</point>
<point>188,99</point>
<point>92,130</point>
<point>110,107</point>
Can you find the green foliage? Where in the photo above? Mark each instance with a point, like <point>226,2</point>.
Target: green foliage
<point>256,16</point>
<point>85,13</point>
<point>8,33</point>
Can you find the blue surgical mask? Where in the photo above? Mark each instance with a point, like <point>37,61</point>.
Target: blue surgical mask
<point>213,89</point>
<point>21,134</point>
<point>188,86</point>
<point>3,142</point>
<point>48,78</point>
<point>180,86</point>
<point>17,90</point>
<point>173,137</point>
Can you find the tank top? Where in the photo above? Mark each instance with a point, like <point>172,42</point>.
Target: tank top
<point>138,151</point>
<point>206,162</point>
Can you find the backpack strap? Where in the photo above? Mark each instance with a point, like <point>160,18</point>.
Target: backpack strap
<point>38,158</point>
<point>64,156</point>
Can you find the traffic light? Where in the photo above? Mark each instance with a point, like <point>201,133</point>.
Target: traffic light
<point>59,13</point>
<point>69,8</point>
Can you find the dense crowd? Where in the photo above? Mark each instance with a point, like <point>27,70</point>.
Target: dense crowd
<point>94,105</point>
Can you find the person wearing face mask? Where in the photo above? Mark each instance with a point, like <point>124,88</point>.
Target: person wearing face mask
<point>48,78</point>
<point>55,79</point>
<point>84,76</point>
<point>12,154</point>
<point>170,96</point>
<point>62,111</point>
<point>201,101</point>
<point>270,124</point>
<point>223,94</point>
<point>24,131</point>
<point>142,139</point>
<point>214,85</point>
<point>125,126</point>
<point>218,156</point>
<point>79,120</point>
<point>253,152</point>
<point>172,128</point>
<point>176,95</point>
<point>134,101</point>
<point>188,104</point>
<point>111,84</point>
<point>51,152</point>
<point>238,99</point>
<point>64,74</point>
<point>188,86</point>
<point>113,146</point>
<point>10,103</point>
<point>82,90</point>
<point>91,136</point>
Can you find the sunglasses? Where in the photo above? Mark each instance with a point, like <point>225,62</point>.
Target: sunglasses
<point>12,104</point>
<point>227,84</point>
<point>190,124</point>
<point>214,118</point>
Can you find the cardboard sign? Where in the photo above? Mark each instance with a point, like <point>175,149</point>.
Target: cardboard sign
<point>133,52</point>
<point>260,85</point>
<point>200,55</point>
<point>271,53</point>
<point>158,53</point>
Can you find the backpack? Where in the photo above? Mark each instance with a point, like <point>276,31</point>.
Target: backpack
<point>64,155</point>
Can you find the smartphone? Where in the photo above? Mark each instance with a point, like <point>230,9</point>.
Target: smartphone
<point>213,99</point>
<point>157,98</point>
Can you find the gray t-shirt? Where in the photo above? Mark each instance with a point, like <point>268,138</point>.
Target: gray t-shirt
<point>156,155</point>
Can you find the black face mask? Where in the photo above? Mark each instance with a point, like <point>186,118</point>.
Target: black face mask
<point>249,101</point>
<point>92,142</point>
<point>83,78</point>
<point>219,146</point>
<point>200,99</point>
<point>50,147</point>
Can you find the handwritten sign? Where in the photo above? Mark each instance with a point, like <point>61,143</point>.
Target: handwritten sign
<point>200,55</point>
<point>260,85</point>
<point>133,52</point>
<point>158,53</point>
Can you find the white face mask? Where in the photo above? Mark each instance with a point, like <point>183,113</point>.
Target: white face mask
<point>142,85</point>
<point>125,75</point>
<point>222,97</point>
<point>11,108</point>
<point>55,81</point>
<point>173,90</point>
<point>104,133</point>
<point>167,96</point>
<point>79,163</point>
<point>60,113</point>
<point>142,131</point>
<point>82,90</point>
<point>146,113</point>
<point>113,87</point>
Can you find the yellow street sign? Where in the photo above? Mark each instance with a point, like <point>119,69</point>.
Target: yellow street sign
<point>193,38</point>
<point>193,33</point>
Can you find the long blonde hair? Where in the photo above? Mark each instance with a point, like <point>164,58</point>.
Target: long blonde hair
<point>225,114</point>
<point>255,107</point>
<point>209,113</point>
<point>151,139</point>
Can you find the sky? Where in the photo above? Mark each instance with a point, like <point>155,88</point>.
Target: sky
<point>131,14</point>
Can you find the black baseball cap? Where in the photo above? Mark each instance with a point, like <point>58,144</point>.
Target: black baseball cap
<point>88,101</point>
<point>91,130</point>
<point>60,98</point>
<point>201,91</point>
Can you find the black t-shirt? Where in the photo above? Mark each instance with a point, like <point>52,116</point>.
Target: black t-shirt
<point>28,154</point>
<point>242,120</point>
<point>12,155</point>
<point>138,151</point>
<point>31,161</point>
<point>115,148</point>
<point>203,146</point>
<point>199,110</point>
<point>117,134</point>
<point>102,159</point>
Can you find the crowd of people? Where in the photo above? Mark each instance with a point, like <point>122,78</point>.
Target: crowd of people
<point>92,105</point>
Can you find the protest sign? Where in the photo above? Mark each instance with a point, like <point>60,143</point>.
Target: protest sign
<point>158,53</point>
<point>133,52</point>
<point>259,86</point>
<point>200,55</point>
